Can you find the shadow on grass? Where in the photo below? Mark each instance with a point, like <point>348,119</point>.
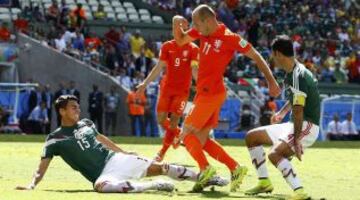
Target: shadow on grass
<point>70,191</point>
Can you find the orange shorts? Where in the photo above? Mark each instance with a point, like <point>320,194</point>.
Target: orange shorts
<point>205,111</point>
<point>172,103</point>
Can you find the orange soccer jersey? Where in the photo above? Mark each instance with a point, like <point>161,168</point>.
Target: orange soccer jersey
<point>175,85</point>
<point>216,51</point>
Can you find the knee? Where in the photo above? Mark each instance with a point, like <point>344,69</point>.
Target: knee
<point>173,124</point>
<point>155,169</point>
<point>250,138</point>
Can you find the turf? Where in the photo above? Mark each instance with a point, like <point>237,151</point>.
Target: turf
<point>328,171</point>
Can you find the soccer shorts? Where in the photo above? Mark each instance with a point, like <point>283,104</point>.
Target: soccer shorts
<point>172,103</point>
<point>285,132</point>
<point>124,167</point>
<point>205,111</point>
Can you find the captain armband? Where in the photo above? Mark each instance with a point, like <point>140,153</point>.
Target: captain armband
<point>299,99</point>
<point>194,64</point>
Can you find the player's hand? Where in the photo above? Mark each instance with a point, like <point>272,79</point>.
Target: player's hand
<point>140,89</point>
<point>274,89</point>
<point>132,153</point>
<point>24,188</point>
<point>298,149</point>
<point>276,118</point>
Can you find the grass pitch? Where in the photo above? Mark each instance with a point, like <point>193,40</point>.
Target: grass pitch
<point>328,171</point>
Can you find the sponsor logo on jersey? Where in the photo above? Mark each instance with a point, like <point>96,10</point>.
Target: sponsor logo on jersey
<point>80,133</point>
<point>185,53</point>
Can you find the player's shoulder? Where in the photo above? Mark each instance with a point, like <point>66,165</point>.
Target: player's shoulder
<point>86,122</point>
<point>302,72</point>
<point>168,43</point>
<point>192,45</point>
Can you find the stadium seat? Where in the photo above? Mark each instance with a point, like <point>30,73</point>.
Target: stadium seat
<point>104,3</point>
<point>82,2</point>
<point>70,2</point>
<point>47,5</point>
<point>4,10</point>
<point>116,4</point>
<point>145,18</point>
<point>111,16</point>
<point>89,16</point>
<point>93,3</point>
<point>5,17</point>
<point>94,8</point>
<point>14,17</point>
<point>15,10</point>
<point>144,12</point>
<point>72,6</point>
<point>108,9</point>
<point>131,11</point>
<point>134,18</point>
<point>122,17</point>
<point>120,10</point>
<point>158,19</point>
<point>127,4</point>
<point>46,1</point>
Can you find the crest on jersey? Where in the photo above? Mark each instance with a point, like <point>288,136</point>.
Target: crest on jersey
<point>243,43</point>
<point>217,45</point>
<point>185,53</point>
<point>80,133</point>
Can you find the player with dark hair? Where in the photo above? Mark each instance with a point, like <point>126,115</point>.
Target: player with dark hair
<point>290,138</point>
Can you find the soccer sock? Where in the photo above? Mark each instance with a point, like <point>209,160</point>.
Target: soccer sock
<point>167,141</point>
<point>193,146</point>
<point>166,124</point>
<point>179,173</point>
<point>124,186</point>
<point>216,151</point>
<point>288,173</point>
<point>258,159</point>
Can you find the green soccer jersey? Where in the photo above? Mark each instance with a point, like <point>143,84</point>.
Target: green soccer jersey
<point>78,147</point>
<point>302,81</point>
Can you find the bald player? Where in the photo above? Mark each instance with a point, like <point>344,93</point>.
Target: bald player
<point>217,47</point>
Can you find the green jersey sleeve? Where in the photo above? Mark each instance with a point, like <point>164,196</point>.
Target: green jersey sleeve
<point>49,150</point>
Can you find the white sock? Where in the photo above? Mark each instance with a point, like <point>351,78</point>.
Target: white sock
<point>124,186</point>
<point>179,173</point>
<point>258,159</point>
<point>288,173</point>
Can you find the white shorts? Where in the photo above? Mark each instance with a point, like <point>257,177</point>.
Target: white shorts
<point>124,167</point>
<point>285,132</point>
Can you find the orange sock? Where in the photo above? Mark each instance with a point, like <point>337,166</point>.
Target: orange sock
<point>193,146</point>
<point>166,124</point>
<point>168,140</point>
<point>216,151</point>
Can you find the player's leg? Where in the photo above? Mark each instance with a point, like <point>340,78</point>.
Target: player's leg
<point>126,186</point>
<point>255,139</point>
<point>279,158</point>
<point>163,120</point>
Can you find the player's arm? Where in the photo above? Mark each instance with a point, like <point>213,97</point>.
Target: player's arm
<point>155,72</point>
<point>109,144</point>
<point>181,37</point>
<point>38,175</point>
<point>279,116</point>
<point>195,71</point>
<point>274,88</point>
<point>299,99</point>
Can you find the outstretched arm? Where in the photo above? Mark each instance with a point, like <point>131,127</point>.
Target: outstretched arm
<point>274,88</point>
<point>155,72</point>
<point>38,175</point>
<point>110,144</point>
<point>181,37</point>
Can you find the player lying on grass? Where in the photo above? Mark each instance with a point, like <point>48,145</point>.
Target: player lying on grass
<point>287,139</point>
<point>99,160</point>
<point>180,63</point>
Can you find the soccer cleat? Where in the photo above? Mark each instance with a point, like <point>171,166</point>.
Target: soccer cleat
<point>159,157</point>
<point>300,194</point>
<point>204,177</point>
<point>263,186</point>
<point>165,186</point>
<point>237,177</point>
<point>217,181</point>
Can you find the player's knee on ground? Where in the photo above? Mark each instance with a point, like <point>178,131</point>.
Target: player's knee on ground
<point>155,169</point>
<point>111,187</point>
